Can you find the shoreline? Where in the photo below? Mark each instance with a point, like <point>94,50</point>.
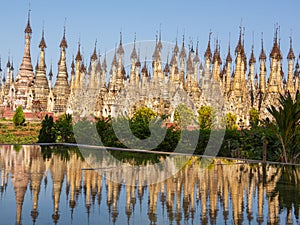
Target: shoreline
<point>158,152</point>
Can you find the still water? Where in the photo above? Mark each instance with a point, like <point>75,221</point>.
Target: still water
<point>59,185</point>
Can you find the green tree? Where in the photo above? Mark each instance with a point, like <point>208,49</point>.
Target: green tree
<point>47,132</point>
<point>64,129</point>
<point>285,124</point>
<point>107,134</point>
<point>143,115</point>
<point>184,115</point>
<point>230,121</point>
<point>206,117</point>
<point>139,123</point>
<point>85,132</point>
<point>254,117</point>
<point>19,117</point>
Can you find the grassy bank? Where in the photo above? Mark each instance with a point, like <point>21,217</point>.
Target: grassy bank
<point>25,134</point>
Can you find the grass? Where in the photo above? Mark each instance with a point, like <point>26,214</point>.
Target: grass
<point>10,134</point>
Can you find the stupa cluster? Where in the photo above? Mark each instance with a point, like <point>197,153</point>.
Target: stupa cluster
<point>101,90</point>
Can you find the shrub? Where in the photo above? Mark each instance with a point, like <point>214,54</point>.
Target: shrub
<point>64,129</point>
<point>254,117</point>
<point>184,116</point>
<point>206,117</point>
<point>47,133</point>
<point>230,121</point>
<point>19,117</point>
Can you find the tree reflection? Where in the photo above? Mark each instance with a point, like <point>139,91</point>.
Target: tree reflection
<point>288,189</point>
<point>60,150</point>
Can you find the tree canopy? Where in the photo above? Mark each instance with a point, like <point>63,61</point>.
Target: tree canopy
<point>285,124</point>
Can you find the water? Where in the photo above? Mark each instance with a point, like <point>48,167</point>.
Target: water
<point>60,185</point>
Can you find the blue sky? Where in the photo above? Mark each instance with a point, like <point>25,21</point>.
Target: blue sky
<point>103,20</point>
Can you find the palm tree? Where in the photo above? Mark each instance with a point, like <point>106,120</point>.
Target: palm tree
<point>285,125</point>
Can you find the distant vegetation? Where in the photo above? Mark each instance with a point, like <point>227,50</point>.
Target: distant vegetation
<point>245,143</point>
<point>11,134</point>
<point>285,125</point>
<point>280,133</point>
<point>19,117</point>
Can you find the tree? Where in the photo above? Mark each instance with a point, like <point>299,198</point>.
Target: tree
<point>230,121</point>
<point>206,117</point>
<point>47,132</point>
<point>184,115</point>
<point>254,117</point>
<point>64,129</point>
<point>285,124</point>
<point>19,117</point>
<point>140,122</point>
<point>144,115</point>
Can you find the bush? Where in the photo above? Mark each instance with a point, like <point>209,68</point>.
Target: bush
<point>206,117</point>
<point>230,121</point>
<point>184,116</point>
<point>19,117</point>
<point>254,117</point>
<point>47,132</point>
<point>61,131</point>
<point>64,129</point>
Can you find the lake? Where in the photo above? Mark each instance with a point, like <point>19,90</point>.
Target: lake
<point>70,185</point>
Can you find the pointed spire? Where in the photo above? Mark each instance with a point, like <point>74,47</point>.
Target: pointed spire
<point>159,44</point>
<point>63,43</point>
<point>12,64</point>
<point>120,49</point>
<point>208,53</point>
<point>114,62</point>
<point>275,53</point>
<point>176,49</point>
<point>28,29</point>
<point>98,66</point>
<point>104,65</point>
<point>94,57</point>
<point>42,44</point>
<point>8,62</point>
<point>133,53</point>
<point>144,69</point>
<point>73,65</point>
<point>217,56</point>
<point>138,62</point>
<point>252,59</point>
<point>78,55</point>
<point>82,68</point>
<point>182,52</point>
<point>291,55</point>
<point>156,52</point>
<point>189,63</point>
<point>166,69</point>
<point>239,47</point>
<point>0,65</point>
<point>229,58</point>
<point>50,73</point>
<point>262,54</point>
<point>196,58</point>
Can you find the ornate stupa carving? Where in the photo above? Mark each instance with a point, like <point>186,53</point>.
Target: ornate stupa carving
<point>24,80</point>
<point>232,85</point>
<point>61,88</point>
<point>41,85</point>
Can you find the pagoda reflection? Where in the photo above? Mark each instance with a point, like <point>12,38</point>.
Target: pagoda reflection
<point>210,191</point>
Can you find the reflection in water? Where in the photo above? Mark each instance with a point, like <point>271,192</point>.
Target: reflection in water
<point>62,188</point>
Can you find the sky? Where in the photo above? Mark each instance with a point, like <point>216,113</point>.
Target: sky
<point>103,20</point>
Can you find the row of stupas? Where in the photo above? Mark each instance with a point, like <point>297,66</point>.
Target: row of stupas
<point>101,91</point>
<point>193,194</point>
